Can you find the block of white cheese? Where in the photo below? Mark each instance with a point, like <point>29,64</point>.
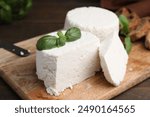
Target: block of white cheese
<point>68,65</point>
<point>101,22</point>
<point>114,60</point>
<point>105,25</point>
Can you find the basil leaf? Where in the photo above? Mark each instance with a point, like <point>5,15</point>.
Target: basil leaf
<point>128,44</point>
<point>46,42</point>
<point>124,25</point>
<point>73,34</point>
<point>61,40</point>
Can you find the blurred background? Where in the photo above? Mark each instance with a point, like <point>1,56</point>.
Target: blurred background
<point>46,16</point>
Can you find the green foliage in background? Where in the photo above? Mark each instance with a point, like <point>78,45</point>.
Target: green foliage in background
<point>11,10</point>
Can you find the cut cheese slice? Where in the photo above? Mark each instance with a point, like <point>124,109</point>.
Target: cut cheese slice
<point>101,22</point>
<point>114,60</point>
<point>68,65</point>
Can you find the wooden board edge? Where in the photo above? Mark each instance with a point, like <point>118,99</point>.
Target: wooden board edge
<point>140,80</point>
<point>16,89</point>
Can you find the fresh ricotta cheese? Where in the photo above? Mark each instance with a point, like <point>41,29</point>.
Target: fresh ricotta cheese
<point>68,65</point>
<point>101,22</point>
<point>114,60</point>
<point>105,25</point>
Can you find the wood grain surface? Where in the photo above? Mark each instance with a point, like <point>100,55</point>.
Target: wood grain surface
<point>42,19</point>
<point>20,74</point>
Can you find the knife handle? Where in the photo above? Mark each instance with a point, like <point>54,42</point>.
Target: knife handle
<point>16,50</point>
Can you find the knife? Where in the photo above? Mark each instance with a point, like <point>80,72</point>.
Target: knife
<point>14,49</point>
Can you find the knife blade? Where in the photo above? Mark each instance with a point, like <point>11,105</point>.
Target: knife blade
<point>14,49</point>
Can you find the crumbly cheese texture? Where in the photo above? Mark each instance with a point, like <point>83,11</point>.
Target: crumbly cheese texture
<point>114,60</point>
<point>68,65</point>
<point>98,21</point>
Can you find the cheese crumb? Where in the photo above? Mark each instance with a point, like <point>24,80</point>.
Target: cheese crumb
<point>130,69</point>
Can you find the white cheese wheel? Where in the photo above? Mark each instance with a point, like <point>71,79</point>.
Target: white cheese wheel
<point>114,60</point>
<point>105,25</point>
<point>68,65</point>
<point>101,22</point>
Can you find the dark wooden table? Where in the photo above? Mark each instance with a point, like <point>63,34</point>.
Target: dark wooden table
<point>47,16</point>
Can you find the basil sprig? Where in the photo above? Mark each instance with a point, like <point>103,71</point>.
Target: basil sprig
<point>124,31</point>
<point>49,42</point>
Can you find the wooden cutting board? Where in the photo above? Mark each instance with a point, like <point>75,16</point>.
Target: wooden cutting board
<point>20,74</point>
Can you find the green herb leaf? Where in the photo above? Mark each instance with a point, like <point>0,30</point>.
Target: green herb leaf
<point>46,42</point>
<point>61,40</point>
<point>49,42</point>
<point>124,25</point>
<point>73,34</point>
<point>128,44</point>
